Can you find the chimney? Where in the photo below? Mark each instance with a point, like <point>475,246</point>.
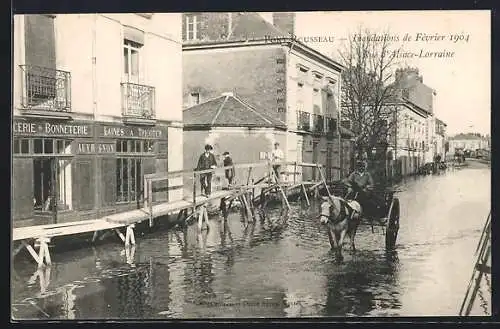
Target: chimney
<point>285,21</point>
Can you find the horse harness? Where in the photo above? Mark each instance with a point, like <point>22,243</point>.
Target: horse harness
<point>345,210</point>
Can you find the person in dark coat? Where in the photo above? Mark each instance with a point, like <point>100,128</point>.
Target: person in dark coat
<point>229,172</point>
<point>206,161</point>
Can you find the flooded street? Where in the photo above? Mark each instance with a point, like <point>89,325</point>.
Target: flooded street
<point>278,268</point>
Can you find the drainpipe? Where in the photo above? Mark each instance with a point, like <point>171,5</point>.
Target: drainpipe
<point>341,156</point>
<point>97,171</point>
<point>94,73</point>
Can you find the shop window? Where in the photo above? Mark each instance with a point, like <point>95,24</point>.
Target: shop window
<point>135,146</point>
<point>46,146</point>
<point>21,146</point>
<point>128,179</point>
<point>51,179</point>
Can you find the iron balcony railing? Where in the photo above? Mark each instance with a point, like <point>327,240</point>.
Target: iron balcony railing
<point>138,101</point>
<point>303,121</point>
<point>318,123</point>
<point>45,89</point>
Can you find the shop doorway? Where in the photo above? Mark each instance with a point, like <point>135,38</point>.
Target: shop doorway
<point>52,185</point>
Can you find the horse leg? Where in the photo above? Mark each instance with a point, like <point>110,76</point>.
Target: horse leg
<point>338,240</point>
<point>332,239</point>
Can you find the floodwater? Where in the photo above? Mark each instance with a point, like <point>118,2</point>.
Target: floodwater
<point>279,268</point>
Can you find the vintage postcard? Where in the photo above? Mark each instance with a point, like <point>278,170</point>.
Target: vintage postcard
<point>251,165</point>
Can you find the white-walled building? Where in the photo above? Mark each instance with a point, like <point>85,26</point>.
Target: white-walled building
<point>408,140</point>
<point>440,141</point>
<point>97,104</point>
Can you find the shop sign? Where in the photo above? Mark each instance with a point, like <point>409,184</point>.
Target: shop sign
<point>133,132</point>
<point>36,128</point>
<point>96,148</point>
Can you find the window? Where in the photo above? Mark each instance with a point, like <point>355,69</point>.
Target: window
<point>300,95</point>
<point>52,177</point>
<point>128,179</point>
<point>316,98</point>
<point>129,168</point>
<point>302,73</point>
<point>318,76</point>
<point>21,146</point>
<point>192,27</point>
<point>194,99</point>
<point>135,146</point>
<point>131,60</point>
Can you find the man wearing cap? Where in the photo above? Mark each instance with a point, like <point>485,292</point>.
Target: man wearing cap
<point>206,161</point>
<point>362,182</point>
<point>229,172</point>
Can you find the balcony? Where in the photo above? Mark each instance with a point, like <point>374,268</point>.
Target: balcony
<point>318,123</point>
<point>138,103</point>
<point>303,121</point>
<point>45,91</point>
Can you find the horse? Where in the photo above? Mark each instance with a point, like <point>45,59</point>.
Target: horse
<point>341,217</point>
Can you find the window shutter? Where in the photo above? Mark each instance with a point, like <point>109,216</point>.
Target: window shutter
<point>83,184</point>
<point>40,41</point>
<point>22,188</point>
<point>108,181</point>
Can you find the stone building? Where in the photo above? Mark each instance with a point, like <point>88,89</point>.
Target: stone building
<point>291,82</point>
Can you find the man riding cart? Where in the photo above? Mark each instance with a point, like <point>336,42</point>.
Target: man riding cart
<point>360,186</point>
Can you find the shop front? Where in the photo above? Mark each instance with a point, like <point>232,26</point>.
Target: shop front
<point>77,170</point>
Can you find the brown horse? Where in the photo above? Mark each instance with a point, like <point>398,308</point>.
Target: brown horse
<point>341,217</point>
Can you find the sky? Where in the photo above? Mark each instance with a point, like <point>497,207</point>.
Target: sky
<point>462,82</point>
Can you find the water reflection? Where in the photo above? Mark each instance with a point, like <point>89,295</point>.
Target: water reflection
<point>278,265</point>
<point>367,285</point>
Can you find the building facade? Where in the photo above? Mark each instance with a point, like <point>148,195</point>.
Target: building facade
<point>441,139</point>
<point>293,83</point>
<point>468,142</point>
<point>93,113</point>
<point>412,87</point>
<point>407,140</point>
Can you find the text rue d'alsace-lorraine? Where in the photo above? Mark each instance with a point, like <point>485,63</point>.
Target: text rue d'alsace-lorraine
<point>212,165</point>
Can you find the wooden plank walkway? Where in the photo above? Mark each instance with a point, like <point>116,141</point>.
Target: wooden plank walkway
<point>111,221</point>
<point>150,211</point>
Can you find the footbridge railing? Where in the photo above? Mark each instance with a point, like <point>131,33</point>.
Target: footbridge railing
<point>186,185</point>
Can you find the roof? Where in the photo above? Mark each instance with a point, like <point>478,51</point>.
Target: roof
<point>396,100</point>
<point>467,137</point>
<point>228,110</point>
<point>441,122</point>
<point>251,25</point>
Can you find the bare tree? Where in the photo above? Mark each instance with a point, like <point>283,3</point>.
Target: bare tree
<point>367,87</point>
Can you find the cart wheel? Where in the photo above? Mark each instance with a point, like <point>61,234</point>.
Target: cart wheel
<point>392,226</point>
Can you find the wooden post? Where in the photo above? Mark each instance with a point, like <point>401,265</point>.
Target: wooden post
<point>305,194</point>
<point>249,175</point>
<point>129,236</point>
<point>282,192</point>
<point>326,185</point>
<point>205,216</point>
<point>150,197</point>
<point>295,173</point>
<point>194,191</point>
